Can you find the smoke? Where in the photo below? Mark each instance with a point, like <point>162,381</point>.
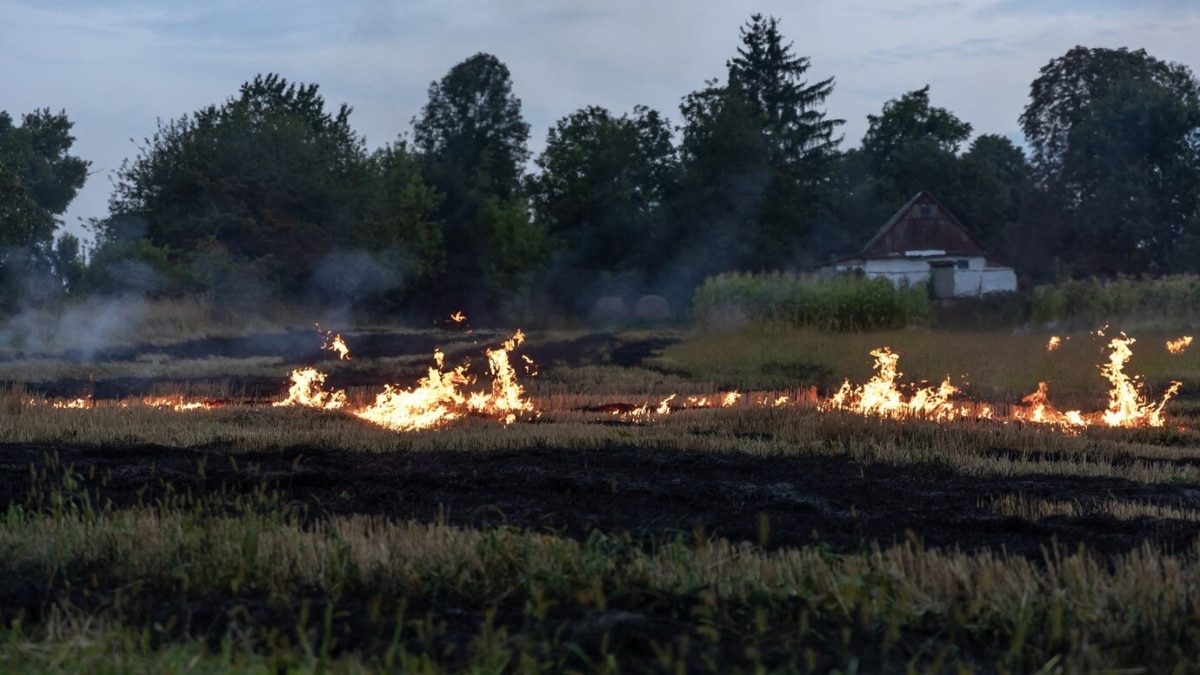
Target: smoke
<point>79,331</point>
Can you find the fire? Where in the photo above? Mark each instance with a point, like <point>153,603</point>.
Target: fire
<point>176,403</point>
<point>336,344</point>
<point>1179,345</point>
<point>308,389</point>
<point>1127,407</point>
<point>1040,411</point>
<point>1055,341</point>
<point>435,400</point>
<point>458,317</point>
<point>880,396</point>
<point>507,398</point>
<point>438,398</point>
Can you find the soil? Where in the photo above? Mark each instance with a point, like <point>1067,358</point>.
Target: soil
<point>658,494</point>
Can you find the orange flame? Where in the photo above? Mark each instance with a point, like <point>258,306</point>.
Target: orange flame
<point>1179,345</point>
<point>880,396</point>
<point>1127,407</point>
<point>437,398</point>
<point>1041,411</point>
<point>308,389</point>
<point>176,403</point>
<point>336,344</point>
<point>1053,344</point>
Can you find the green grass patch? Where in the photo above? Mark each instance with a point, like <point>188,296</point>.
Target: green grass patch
<point>838,303</point>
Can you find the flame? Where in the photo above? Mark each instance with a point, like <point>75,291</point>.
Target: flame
<point>1053,344</point>
<point>438,397</point>
<point>308,389</point>
<point>336,344</point>
<point>1041,411</point>
<point>176,403</point>
<point>1179,345</point>
<point>1127,407</point>
<point>433,402</point>
<point>458,317</point>
<point>880,397</point>
<point>73,404</point>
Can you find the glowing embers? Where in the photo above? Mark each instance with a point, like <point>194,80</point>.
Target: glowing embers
<point>440,397</point>
<point>672,403</point>
<point>175,402</point>
<point>881,397</point>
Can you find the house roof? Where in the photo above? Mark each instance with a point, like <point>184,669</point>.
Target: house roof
<point>923,224</point>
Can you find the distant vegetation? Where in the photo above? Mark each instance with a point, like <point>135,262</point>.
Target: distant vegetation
<point>273,194</point>
<point>1090,303</point>
<point>836,303</point>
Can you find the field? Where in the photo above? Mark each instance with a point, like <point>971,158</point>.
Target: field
<point>591,534</point>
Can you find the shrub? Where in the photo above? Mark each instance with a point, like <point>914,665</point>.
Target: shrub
<point>839,303</point>
<point>1174,299</point>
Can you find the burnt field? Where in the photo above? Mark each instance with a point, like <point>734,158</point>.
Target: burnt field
<point>625,521</point>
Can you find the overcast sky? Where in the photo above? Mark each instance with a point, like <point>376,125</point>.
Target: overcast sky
<point>116,67</point>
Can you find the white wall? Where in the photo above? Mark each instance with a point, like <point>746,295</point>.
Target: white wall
<point>976,280</point>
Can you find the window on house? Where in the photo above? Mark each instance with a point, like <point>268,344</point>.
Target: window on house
<point>962,264</point>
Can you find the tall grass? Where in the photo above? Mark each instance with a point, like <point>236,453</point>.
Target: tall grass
<point>1164,302</point>
<point>839,303</point>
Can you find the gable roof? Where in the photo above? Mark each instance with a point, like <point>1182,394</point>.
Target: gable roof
<point>923,224</point>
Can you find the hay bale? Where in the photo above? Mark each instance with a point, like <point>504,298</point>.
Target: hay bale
<point>609,308</point>
<point>652,308</point>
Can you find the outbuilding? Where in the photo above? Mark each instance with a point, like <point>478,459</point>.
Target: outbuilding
<point>924,243</point>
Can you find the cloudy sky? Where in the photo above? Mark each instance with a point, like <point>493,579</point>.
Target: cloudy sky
<point>116,67</point>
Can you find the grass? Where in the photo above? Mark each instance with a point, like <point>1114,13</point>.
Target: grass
<point>240,579</point>
<point>363,592</point>
<point>990,366</point>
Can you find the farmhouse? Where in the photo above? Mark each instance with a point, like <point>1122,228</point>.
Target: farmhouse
<point>924,242</point>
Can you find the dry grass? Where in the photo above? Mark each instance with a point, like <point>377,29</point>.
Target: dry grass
<point>1073,609</point>
<point>991,365</point>
<point>1033,509</point>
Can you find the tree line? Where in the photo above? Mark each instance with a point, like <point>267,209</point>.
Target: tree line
<point>272,193</point>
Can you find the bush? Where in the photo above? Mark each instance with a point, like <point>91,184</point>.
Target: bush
<point>840,303</point>
<point>1174,299</point>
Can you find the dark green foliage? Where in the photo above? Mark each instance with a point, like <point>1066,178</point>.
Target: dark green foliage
<point>602,192</point>
<point>755,155</point>
<point>472,140</point>
<point>841,303</point>
<point>1116,147</point>
<point>38,180</point>
<point>258,194</point>
<point>1090,303</point>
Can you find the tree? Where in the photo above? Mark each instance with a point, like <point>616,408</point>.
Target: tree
<point>38,180</point>
<point>913,146</point>
<point>994,180</point>
<point>268,182</point>
<point>472,140</point>
<point>756,154</point>
<point>1115,136</point>
<point>602,192</point>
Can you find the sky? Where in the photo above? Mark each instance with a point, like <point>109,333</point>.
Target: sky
<point>118,67</point>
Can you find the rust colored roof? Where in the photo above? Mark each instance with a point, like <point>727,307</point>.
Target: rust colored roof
<point>923,224</point>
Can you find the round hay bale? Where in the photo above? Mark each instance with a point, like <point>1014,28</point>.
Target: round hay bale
<point>652,308</point>
<point>609,308</point>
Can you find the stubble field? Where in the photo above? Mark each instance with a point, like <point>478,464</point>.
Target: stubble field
<point>765,535</point>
